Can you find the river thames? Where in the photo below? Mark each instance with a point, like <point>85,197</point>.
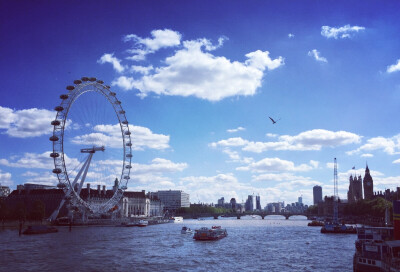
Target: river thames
<point>252,244</point>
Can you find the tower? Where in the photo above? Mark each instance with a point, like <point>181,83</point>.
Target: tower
<point>368,184</point>
<point>317,194</point>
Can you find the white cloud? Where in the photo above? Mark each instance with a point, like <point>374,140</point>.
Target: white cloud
<point>5,179</point>
<point>309,140</point>
<point>390,146</point>
<point>36,161</point>
<point>110,136</point>
<point>346,31</point>
<point>367,155</point>
<point>26,123</point>
<point>160,39</point>
<point>290,35</point>
<point>397,161</point>
<point>194,71</point>
<point>109,58</point>
<point>275,165</point>
<point>236,129</point>
<point>142,69</point>
<point>316,55</point>
<point>394,67</point>
<point>159,166</point>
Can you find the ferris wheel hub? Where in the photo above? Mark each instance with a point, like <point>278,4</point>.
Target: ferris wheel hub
<point>93,149</point>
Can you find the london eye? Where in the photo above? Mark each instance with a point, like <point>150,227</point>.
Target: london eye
<point>91,146</point>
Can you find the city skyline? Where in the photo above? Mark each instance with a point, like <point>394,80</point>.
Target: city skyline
<point>199,81</point>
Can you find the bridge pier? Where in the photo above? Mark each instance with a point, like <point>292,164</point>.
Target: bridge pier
<point>238,216</point>
<point>262,216</point>
<point>215,216</point>
<point>287,216</point>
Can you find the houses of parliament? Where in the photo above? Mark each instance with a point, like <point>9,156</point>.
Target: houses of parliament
<point>355,192</point>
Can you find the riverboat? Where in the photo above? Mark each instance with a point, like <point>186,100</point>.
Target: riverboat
<point>140,223</point>
<point>378,248</point>
<point>337,228</point>
<point>40,229</point>
<point>186,230</point>
<point>176,219</point>
<point>206,234</point>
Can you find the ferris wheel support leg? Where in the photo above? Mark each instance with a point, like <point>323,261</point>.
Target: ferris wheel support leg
<point>85,173</point>
<point>85,166</point>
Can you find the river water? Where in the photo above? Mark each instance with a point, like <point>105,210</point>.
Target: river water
<point>252,244</point>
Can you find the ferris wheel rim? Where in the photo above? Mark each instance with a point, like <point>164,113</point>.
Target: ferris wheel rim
<point>80,87</point>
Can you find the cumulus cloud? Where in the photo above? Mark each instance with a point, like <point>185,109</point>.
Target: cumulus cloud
<point>390,146</point>
<point>109,58</point>
<point>343,32</point>
<point>158,165</point>
<point>291,36</point>
<point>394,67</point>
<point>160,39</point>
<point>276,165</point>
<point>5,179</point>
<point>36,161</point>
<point>316,55</point>
<point>236,129</point>
<point>192,70</point>
<point>309,140</point>
<point>110,136</point>
<point>397,161</point>
<point>26,123</point>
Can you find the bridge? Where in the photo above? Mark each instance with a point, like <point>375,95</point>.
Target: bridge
<point>263,214</point>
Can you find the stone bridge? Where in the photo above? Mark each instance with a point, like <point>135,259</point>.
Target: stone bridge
<point>239,215</point>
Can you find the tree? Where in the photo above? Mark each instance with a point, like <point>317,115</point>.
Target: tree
<point>3,210</point>
<point>38,210</point>
<point>20,211</point>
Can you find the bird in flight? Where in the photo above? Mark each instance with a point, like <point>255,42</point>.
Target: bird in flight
<point>273,121</point>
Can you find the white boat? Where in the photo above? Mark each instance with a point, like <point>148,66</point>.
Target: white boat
<point>186,230</point>
<point>176,219</point>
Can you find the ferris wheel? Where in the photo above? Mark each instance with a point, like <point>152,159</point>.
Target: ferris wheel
<point>91,144</point>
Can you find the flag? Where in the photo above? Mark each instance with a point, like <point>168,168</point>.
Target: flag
<point>353,167</point>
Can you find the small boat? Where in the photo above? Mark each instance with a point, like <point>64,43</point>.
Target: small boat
<point>206,234</point>
<point>176,219</point>
<point>186,230</point>
<point>336,228</point>
<point>40,229</point>
<point>316,223</point>
<point>142,223</point>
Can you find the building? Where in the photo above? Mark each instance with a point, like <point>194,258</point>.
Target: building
<point>300,200</point>
<point>354,193</point>
<point>251,203</point>
<point>221,202</point>
<point>258,203</point>
<point>173,200</point>
<point>131,204</point>
<point>276,207</point>
<point>4,191</point>
<point>317,194</point>
<point>233,203</point>
<point>368,185</point>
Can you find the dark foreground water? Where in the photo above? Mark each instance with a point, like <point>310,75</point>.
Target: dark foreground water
<point>253,244</point>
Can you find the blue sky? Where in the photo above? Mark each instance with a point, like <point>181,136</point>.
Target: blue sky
<point>198,80</point>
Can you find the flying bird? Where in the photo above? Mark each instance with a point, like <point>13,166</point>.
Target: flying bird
<point>273,121</point>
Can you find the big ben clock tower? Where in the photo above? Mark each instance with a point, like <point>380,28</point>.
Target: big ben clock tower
<point>368,184</point>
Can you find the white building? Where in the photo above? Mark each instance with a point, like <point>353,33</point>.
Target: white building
<point>173,200</point>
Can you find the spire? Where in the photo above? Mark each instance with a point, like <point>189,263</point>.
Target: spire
<point>366,168</point>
